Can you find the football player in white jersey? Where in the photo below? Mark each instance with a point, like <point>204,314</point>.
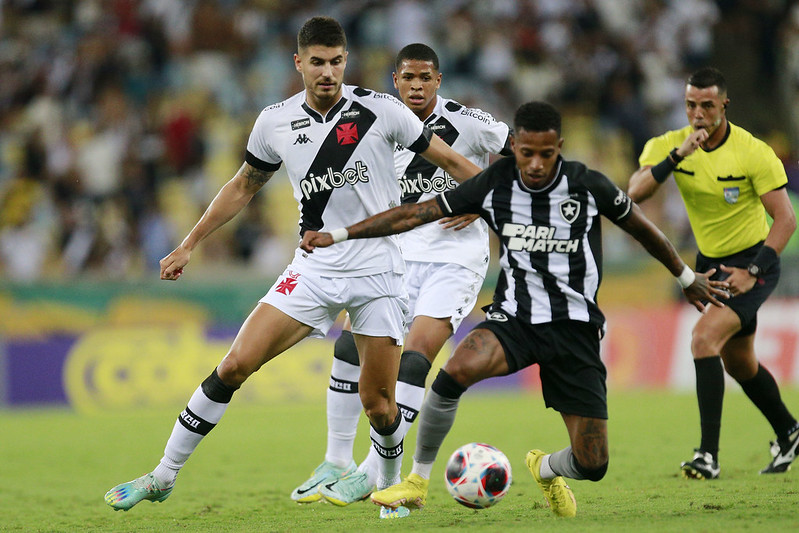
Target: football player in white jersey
<point>445,270</point>
<point>337,142</point>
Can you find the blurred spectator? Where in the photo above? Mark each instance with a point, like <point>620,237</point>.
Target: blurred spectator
<point>118,117</point>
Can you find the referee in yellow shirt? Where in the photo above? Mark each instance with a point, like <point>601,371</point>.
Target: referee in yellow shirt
<point>728,180</point>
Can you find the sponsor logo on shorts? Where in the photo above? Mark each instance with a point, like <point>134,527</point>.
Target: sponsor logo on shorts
<point>496,316</point>
<point>288,284</point>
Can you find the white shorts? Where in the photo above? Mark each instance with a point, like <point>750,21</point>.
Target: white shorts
<point>441,290</point>
<point>377,304</point>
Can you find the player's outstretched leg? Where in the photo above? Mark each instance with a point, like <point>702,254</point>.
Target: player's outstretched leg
<point>126,495</point>
<point>557,493</point>
<point>783,454</point>
<point>702,466</point>
<point>410,493</point>
<point>326,472</point>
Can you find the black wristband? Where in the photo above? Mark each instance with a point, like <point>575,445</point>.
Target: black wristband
<point>662,170</point>
<point>675,157</point>
<point>766,258</point>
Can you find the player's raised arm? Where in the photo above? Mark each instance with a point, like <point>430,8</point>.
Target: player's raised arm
<point>395,220</point>
<point>696,286</point>
<point>647,179</point>
<point>230,199</point>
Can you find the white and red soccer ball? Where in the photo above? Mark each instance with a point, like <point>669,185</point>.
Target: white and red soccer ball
<point>478,475</point>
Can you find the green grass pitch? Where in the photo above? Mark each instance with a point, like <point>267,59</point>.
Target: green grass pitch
<point>57,465</point>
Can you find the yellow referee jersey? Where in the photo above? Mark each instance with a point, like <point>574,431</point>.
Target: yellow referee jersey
<point>722,188</point>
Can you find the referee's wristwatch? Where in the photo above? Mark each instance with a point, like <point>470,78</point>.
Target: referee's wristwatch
<point>753,270</point>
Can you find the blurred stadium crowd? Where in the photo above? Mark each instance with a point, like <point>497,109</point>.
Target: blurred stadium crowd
<point>120,119</point>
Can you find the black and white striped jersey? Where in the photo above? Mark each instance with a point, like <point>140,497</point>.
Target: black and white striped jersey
<point>550,239</point>
<point>341,168</point>
<point>474,134</point>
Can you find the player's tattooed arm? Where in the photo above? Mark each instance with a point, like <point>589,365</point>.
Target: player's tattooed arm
<point>396,220</point>
<point>228,202</point>
<point>254,178</point>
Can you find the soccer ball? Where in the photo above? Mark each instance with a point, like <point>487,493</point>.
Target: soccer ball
<point>478,475</point>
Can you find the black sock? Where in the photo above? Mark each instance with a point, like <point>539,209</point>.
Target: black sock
<point>710,395</point>
<point>765,394</point>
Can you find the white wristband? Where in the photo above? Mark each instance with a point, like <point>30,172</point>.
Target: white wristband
<point>340,234</point>
<point>687,277</point>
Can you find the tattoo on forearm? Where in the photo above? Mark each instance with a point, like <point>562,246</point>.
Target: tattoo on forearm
<point>428,213</point>
<point>396,220</point>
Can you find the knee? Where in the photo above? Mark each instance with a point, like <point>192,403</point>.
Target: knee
<point>460,372</point>
<point>232,371</point>
<point>704,344</point>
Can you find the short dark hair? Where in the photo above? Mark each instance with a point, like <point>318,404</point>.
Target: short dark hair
<point>418,51</point>
<point>322,31</point>
<point>708,77</point>
<point>537,116</point>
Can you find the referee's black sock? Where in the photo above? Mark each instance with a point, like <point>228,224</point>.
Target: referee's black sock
<point>764,392</point>
<point>710,395</point>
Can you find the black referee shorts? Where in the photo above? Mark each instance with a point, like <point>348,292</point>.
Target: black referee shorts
<point>567,353</point>
<point>744,305</point>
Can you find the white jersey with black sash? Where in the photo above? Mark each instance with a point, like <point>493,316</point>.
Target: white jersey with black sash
<point>550,239</point>
<point>474,134</point>
<point>341,168</point>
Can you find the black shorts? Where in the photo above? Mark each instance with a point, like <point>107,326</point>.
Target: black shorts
<point>744,305</point>
<point>567,353</point>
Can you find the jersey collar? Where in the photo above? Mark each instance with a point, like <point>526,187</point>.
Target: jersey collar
<point>330,114</point>
<point>724,140</point>
<point>435,113</point>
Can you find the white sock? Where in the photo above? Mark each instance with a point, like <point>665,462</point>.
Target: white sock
<point>199,417</point>
<point>422,470</point>
<point>389,450</point>
<point>343,410</point>
<point>409,399</point>
<point>546,470</point>
<point>370,466</point>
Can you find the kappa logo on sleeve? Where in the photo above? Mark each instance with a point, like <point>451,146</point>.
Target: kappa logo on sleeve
<point>288,284</point>
<point>347,133</point>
